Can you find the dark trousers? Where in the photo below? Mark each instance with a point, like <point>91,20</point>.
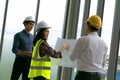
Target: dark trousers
<point>81,75</point>
<point>39,78</point>
<point>21,66</point>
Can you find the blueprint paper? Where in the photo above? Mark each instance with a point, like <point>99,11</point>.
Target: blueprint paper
<point>65,61</point>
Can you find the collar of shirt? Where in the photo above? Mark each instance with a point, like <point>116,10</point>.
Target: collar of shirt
<point>28,34</point>
<point>92,33</point>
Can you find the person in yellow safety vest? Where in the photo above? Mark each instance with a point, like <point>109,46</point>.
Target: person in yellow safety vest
<point>40,63</point>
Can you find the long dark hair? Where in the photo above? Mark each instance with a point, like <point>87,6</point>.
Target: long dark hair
<point>39,35</point>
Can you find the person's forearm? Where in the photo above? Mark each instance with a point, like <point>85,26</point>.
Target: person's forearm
<point>19,52</point>
<point>62,49</point>
<point>24,53</point>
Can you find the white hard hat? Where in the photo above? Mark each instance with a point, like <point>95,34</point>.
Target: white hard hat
<point>29,18</point>
<point>42,24</point>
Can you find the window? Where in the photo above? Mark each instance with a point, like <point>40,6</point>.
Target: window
<point>2,8</point>
<point>80,18</point>
<point>17,11</point>
<point>118,65</point>
<point>52,11</point>
<point>107,25</point>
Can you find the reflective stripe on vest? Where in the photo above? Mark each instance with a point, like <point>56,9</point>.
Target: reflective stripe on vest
<point>40,66</point>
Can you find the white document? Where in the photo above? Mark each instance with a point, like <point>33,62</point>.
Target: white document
<point>65,61</point>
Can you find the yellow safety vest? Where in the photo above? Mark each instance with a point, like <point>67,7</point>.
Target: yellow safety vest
<point>40,66</point>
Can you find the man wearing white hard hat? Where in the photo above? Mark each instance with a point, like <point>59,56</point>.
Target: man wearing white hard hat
<point>22,48</point>
<point>42,51</point>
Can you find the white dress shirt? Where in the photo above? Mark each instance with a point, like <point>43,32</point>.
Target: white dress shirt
<point>90,53</point>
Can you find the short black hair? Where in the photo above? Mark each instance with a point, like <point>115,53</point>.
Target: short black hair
<point>93,28</point>
<point>28,22</point>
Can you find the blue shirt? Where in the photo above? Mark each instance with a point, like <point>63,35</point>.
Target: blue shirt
<point>22,41</point>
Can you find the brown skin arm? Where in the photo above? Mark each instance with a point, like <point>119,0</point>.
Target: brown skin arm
<point>28,53</point>
<point>64,47</point>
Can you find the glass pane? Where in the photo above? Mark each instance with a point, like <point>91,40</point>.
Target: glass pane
<point>17,11</point>
<point>80,18</point>
<point>118,65</point>
<point>52,11</point>
<point>106,33</point>
<point>2,8</point>
<point>79,30</point>
<point>93,7</point>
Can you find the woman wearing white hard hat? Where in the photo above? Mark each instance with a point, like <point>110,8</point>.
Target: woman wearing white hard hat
<point>40,63</point>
